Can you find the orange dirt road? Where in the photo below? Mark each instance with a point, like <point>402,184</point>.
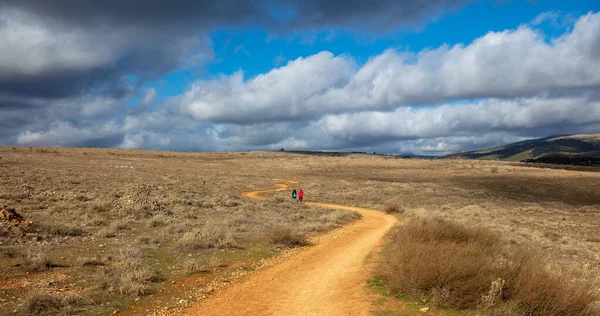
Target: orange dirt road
<point>326,279</point>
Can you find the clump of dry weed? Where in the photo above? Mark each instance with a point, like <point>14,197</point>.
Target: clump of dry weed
<point>471,267</point>
<point>288,237</point>
<point>213,234</point>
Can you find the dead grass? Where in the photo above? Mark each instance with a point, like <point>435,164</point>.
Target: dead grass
<point>37,259</point>
<point>53,228</point>
<point>38,302</point>
<point>45,302</point>
<point>467,268</point>
<point>288,237</point>
<point>131,274</point>
<point>84,262</point>
<point>196,265</point>
<point>213,234</point>
<point>94,191</point>
<point>393,209</point>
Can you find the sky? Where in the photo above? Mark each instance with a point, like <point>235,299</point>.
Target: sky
<point>389,76</point>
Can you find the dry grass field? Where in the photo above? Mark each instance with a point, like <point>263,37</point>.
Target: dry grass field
<point>104,229</point>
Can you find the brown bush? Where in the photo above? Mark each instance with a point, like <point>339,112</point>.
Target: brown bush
<point>214,234</point>
<point>58,229</point>
<point>38,302</point>
<point>538,290</point>
<point>132,274</point>
<point>193,266</point>
<point>288,237</point>
<point>459,267</point>
<point>392,209</point>
<point>84,262</point>
<point>36,259</point>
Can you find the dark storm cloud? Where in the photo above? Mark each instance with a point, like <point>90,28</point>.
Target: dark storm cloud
<point>374,15</point>
<point>114,38</point>
<point>300,13</point>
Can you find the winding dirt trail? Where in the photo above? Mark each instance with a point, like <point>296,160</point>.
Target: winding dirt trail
<point>326,279</point>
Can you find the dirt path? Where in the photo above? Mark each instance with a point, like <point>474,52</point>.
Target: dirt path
<point>326,279</point>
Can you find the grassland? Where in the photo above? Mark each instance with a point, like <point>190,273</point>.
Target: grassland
<point>114,228</point>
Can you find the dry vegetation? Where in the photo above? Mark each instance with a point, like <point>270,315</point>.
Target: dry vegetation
<point>112,225</point>
<point>472,268</point>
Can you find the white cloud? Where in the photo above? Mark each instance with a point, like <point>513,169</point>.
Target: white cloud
<point>66,134</point>
<point>453,120</point>
<point>277,95</point>
<point>508,64</point>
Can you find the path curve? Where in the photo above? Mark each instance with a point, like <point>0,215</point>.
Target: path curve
<point>326,279</point>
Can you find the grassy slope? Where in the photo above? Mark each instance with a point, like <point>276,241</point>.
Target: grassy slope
<point>571,146</point>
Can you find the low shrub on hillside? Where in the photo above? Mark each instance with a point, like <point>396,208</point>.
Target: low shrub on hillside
<point>468,268</point>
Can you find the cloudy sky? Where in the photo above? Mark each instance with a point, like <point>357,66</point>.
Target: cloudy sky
<point>392,76</point>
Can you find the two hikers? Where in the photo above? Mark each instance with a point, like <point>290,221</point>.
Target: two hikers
<point>300,195</point>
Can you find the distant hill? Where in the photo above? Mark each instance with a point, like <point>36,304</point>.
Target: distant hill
<point>580,149</point>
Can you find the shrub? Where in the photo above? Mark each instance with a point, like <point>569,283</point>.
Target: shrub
<point>212,235</point>
<point>102,207</point>
<point>494,170</point>
<point>193,266</point>
<point>392,209</point>
<point>132,274</point>
<point>38,302</point>
<point>121,225</point>
<point>107,232</point>
<point>158,220</point>
<point>90,262</point>
<point>467,268</point>
<point>59,229</point>
<point>36,259</point>
<point>287,237</point>
<point>538,290</point>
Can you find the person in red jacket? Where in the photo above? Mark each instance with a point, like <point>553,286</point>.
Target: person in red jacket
<point>300,195</point>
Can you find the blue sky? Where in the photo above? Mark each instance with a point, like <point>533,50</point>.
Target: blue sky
<point>256,50</point>
<point>393,76</point>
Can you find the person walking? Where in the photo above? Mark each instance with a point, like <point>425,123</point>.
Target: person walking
<point>294,194</point>
<point>300,195</point>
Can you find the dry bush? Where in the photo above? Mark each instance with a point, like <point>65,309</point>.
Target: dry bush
<point>158,220</point>
<point>84,262</point>
<point>107,232</point>
<point>102,207</point>
<point>121,225</point>
<point>132,274</point>
<point>393,209</point>
<point>193,266</point>
<point>40,302</point>
<point>494,170</point>
<point>72,299</point>
<point>96,221</point>
<point>45,302</point>
<point>11,252</point>
<point>539,290</point>
<point>288,237</point>
<point>213,234</point>
<point>36,259</point>
<point>457,266</point>
<point>53,228</point>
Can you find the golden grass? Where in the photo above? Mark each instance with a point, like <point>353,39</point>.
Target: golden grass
<point>148,200</point>
<point>470,267</point>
